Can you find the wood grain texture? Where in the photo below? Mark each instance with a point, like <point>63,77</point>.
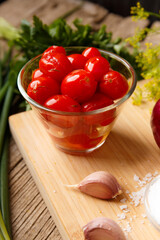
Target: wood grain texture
<point>130,149</point>
<point>23,190</point>
<point>29,214</point>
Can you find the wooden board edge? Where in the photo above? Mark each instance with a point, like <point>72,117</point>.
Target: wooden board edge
<point>55,217</point>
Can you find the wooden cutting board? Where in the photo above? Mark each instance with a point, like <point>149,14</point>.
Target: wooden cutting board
<point>130,149</point>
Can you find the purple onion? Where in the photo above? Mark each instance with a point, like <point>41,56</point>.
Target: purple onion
<point>155,122</point>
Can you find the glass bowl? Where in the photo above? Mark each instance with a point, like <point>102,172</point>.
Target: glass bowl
<point>152,201</point>
<point>77,133</point>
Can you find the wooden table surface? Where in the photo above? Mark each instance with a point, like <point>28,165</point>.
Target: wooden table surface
<point>29,215</point>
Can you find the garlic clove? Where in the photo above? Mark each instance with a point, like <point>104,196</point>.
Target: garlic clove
<point>103,229</point>
<point>101,185</point>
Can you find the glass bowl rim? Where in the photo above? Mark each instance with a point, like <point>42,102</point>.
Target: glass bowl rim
<point>94,112</point>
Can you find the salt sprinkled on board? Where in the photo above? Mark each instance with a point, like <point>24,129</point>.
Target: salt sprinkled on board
<point>124,208</point>
<point>138,197</point>
<point>144,181</point>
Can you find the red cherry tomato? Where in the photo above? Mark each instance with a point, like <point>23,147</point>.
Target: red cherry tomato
<point>37,73</point>
<point>82,141</point>
<point>98,100</point>
<point>80,136</point>
<point>55,65</point>
<point>42,88</point>
<point>77,60</point>
<point>79,85</point>
<point>54,49</point>
<point>59,123</point>
<point>77,141</point>
<point>114,85</point>
<point>62,103</point>
<point>91,52</point>
<point>97,66</point>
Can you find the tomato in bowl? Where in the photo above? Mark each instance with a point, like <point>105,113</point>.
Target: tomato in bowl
<point>79,115</point>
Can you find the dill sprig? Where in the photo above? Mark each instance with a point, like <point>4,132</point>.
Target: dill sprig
<point>139,12</point>
<point>148,59</point>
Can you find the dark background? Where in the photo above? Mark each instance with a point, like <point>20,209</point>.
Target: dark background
<point>122,7</point>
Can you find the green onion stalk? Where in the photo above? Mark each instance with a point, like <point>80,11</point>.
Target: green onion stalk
<point>4,192</point>
<point>6,97</point>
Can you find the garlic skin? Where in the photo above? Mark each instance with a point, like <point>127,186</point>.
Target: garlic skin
<point>101,185</point>
<point>103,229</point>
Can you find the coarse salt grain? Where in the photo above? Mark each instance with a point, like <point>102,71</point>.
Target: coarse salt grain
<point>155,173</point>
<point>141,183</point>
<point>121,216</point>
<point>127,228</point>
<point>148,177</point>
<point>126,211</point>
<point>136,178</point>
<point>123,200</point>
<point>124,208</point>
